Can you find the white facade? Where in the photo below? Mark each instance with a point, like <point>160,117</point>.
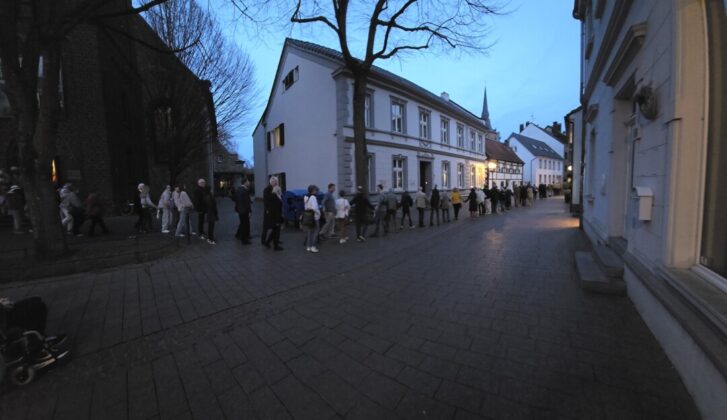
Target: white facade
<point>654,102</point>
<point>535,132</point>
<point>540,166</point>
<point>406,142</point>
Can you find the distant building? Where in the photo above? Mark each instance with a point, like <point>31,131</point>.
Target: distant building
<point>116,123</point>
<point>654,98</point>
<point>541,164</point>
<point>228,171</point>
<point>551,135</point>
<point>504,167</point>
<point>414,138</point>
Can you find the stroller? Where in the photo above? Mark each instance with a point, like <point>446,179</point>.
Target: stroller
<point>24,349</point>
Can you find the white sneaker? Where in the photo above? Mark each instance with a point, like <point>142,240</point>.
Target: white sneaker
<point>202,237</point>
<point>314,249</point>
<point>307,248</point>
<point>165,231</point>
<point>211,242</point>
<point>342,241</point>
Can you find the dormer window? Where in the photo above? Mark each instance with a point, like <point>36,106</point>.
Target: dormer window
<point>291,78</point>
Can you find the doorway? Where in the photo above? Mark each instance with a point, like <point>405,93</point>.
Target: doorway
<point>425,176</point>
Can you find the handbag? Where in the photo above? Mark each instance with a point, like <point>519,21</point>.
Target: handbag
<point>308,218</point>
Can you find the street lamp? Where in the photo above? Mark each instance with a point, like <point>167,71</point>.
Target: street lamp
<point>491,166</point>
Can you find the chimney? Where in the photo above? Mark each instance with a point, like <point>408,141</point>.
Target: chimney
<point>522,127</point>
<point>445,96</point>
<point>556,127</point>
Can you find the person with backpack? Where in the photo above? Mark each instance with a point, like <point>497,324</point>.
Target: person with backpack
<point>420,200</point>
<point>362,209</point>
<point>166,202</point>
<point>435,203</point>
<point>406,204</point>
<point>310,205</point>
<point>381,212</point>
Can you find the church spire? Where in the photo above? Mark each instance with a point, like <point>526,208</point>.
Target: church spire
<point>486,111</point>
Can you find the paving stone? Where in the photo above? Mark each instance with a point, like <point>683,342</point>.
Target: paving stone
<point>335,391</point>
<point>419,406</point>
<point>267,405</point>
<point>235,404</point>
<point>248,377</point>
<point>419,381</point>
<point>382,390</point>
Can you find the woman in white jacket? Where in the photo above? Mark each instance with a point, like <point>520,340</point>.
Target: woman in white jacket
<point>184,205</point>
<point>311,203</point>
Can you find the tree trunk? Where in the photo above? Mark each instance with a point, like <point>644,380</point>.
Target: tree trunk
<point>359,131</point>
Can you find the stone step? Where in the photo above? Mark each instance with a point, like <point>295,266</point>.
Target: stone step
<point>610,262</point>
<point>592,278</point>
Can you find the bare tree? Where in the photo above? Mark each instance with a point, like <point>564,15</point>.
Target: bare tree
<point>394,27</point>
<point>31,36</point>
<point>200,44</point>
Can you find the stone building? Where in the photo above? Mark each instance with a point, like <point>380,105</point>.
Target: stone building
<point>654,131</point>
<point>125,106</point>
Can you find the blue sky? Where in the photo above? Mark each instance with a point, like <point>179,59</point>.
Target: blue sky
<point>531,72</point>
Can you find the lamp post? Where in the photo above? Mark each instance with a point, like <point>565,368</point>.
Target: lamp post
<point>491,166</point>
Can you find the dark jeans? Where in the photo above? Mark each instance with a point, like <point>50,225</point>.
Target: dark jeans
<point>457,207</point>
<point>211,228</point>
<point>421,216</point>
<point>97,220</point>
<point>431,216</point>
<point>382,217</point>
<point>405,212</point>
<point>361,225</point>
<point>243,232</point>
<point>78,218</point>
<point>200,222</point>
<point>146,222</point>
<point>445,215</point>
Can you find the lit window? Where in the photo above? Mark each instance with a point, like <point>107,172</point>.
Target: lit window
<point>445,174</point>
<point>473,175</point>
<point>460,175</point>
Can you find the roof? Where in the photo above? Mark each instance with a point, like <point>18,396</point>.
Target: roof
<point>563,140</point>
<point>501,151</point>
<point>386,75</point>
<point>536,147</point>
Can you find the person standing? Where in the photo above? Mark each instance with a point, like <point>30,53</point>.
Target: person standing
<point>494,199</point>
<point>446,204</point>
<point>435,204</point>
<point>329,212</point>
<point>420,200</point>
<point>381,211</point>
<point>210,205</point>
<point>184,205</point>
<point>530,194</point>
<point>64,206</point>
<point>95,209</point>
<point>342,209</point>
<point>275,218</point>
<point>243,206</point>
<point>362,208</point>
<point>391,206</point>
<point>166,202</point>
<point>516,195</point>
<point>15,201</point>
<point>472,200</point>
<point>269,201</point>
<point>198,200</point>
<point>456,202</point>
<point>146,209</point>
<point>481,198</point>
<point>75,209</point>
<point>310,203</point>
<point>406,204</point>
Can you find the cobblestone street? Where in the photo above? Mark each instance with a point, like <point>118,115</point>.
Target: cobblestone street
<point>474,319</point>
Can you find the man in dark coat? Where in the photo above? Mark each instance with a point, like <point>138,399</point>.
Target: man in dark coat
<point>406,204</point>
<point>243,206</point>
<point>199,200</point>
<point>269,201</point>
<point>434,203</point>
<point>362,208</point>
<point>494,199</point>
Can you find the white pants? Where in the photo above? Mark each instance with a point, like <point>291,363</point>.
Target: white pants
<point>66,219</point>
<point>166,217</point>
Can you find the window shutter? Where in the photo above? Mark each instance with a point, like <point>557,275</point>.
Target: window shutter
<point>269,143</point>
<point>282,134</point>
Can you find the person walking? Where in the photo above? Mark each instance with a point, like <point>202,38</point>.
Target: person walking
<point>65,208</point>
<point>434,204</point>
<point>210,205</point>
<point>481,197</point>
<point>243,207</point>
<point>362,209</point>
<point>456,202</point>
<point>269,201</point>
<point>276,218</point>
<point>329,212</point>
<point>15,202</point>
<point>343,207</point>
<point>381,211</point>
<point>446,204</point>
<point>184,205</point>
<point>420,200</point>
<point>406,204</point>
<point>166,202</point>
<point>310,204</point>
<point>95,210</point>
<point>199,198</point>
<point>472,200</point>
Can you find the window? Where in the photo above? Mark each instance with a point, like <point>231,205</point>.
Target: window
<point>460,175</point>
<point>480,143</point>
<point>276,138</point>
<point>424,121</point>
<point>473,175</point>
<point>460,135</point>
<point>540,179</point>
<point>472,140</point>
<point>540,163</point>
<point>290,78</point>
<point>397,181</point>
<point>397,116</point>
<point>445,131</point>
<point>445,175</point>
<point>714,229</point>
<point>367,111</point>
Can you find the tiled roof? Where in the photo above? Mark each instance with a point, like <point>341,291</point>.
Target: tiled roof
<point>536,147</point>
<point>500,151</point>
<point>455,108</point>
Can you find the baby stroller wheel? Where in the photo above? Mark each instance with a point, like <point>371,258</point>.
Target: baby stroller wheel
<point>22,375</point>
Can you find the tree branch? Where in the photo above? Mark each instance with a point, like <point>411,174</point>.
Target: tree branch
<point>297,19</point>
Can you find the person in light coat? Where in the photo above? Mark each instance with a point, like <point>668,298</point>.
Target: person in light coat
<point>184,205</point>
<point>310,202</point>
<point>165,208</point>
<point>420,201</point>
<point>343,207</point>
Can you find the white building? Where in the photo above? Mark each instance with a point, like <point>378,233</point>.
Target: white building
<point>654,97</point>
<point>414,138</point>
<point>536,132</point>
<point>541,164</point>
